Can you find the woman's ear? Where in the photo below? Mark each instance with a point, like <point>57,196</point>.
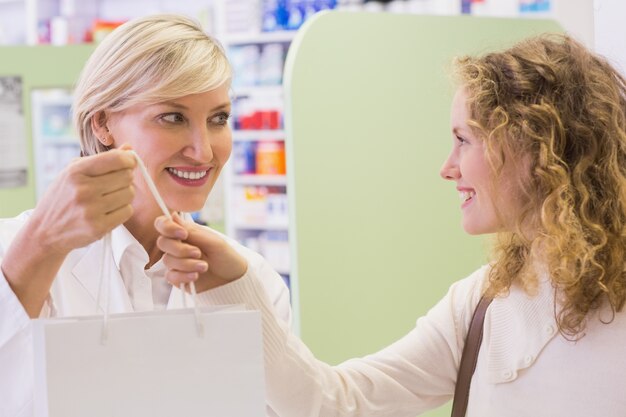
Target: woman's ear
<point>100,129</point>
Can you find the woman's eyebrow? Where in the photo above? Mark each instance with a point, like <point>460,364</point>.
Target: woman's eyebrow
<point>183,107</point>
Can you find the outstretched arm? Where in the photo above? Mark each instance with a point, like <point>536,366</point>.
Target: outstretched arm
<point>414,374</point>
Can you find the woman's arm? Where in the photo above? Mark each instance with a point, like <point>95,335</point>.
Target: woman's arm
<point>90,197</point>
<point>412,375</point>
<point>416,373</point>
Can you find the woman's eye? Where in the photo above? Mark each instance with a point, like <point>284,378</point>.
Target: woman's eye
<point>220,119</point>
<point>461,141</point>
<point>172,118</point>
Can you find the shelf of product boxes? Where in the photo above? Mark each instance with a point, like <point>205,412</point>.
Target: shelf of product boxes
<point>257,135</point>
<point>255,179</point>
<point>257,91</point>
<point>262,226</point>
<point>282,36</point>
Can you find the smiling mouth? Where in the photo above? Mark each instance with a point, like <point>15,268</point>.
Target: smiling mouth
<point>188,175</point>
<point>466,195</point>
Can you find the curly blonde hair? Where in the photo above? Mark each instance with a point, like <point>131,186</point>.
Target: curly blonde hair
<point>563,109</point>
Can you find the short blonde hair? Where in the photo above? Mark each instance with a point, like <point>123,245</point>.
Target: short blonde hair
<point>146,60</point>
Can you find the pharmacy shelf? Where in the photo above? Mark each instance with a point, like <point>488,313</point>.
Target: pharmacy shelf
<point>53,147</point>
<point>261,226</point>
<point>256,135</point>
<point>59,140</point>
<point>258,91</point>
<point>234,39</point>
<point>251,94</point>
<point>251,179</point>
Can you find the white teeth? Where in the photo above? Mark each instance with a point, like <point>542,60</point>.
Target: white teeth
<point>188,175</point>
<point>466,195</point>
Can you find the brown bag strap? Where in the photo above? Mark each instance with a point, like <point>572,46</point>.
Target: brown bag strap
<point>469,358</point>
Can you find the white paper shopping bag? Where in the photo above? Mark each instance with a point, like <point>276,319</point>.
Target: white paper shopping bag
<point>152,364</point>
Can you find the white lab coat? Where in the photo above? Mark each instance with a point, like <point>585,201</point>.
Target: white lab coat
<point>74,293</point>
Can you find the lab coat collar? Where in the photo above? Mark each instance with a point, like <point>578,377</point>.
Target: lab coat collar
<point>88,271</point>
<point>121,241</point>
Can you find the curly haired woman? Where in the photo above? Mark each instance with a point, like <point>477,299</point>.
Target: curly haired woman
<point>539,160</point>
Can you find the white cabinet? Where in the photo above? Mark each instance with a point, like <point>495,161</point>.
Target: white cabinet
<point>61,22</point>
<point>610,31</point>
<point>12,22</point>
<point>255,177</point>
<point>46,21</point>
<point>54,141</point>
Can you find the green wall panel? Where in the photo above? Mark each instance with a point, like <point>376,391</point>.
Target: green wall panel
<point>376,233</point>
<point>39,67</point>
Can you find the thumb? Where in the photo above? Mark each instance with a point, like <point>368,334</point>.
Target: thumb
<point>203,237</point>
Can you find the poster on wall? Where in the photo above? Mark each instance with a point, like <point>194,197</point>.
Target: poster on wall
<point>13,153</point>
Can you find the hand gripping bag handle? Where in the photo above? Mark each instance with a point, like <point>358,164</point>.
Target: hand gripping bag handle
<point>105,275</point>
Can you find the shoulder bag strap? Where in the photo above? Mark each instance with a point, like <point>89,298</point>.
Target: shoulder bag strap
<point>469,358</point>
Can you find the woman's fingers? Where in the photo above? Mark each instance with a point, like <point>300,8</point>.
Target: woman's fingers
<point>114,181</point>
<point>188,265</point>
<point>218,263</point>
<point>177,277</point>
<point>183,261</point>
<point>177,248</point>
<point>106,162</point>
<point>116,200</point>
<point>170,228</point>
<point>90,197</point>
<point>118,216</point>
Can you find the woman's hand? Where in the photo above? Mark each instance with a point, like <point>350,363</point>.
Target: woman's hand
<point>195,253</point>
<point>90,197</point>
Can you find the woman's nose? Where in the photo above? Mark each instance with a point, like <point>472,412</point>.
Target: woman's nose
<point>450,169</point>
<point>200,148</point>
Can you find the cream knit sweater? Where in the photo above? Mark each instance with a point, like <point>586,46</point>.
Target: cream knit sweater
<point>525,367</point>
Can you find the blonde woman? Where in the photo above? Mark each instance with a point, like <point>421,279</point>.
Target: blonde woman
<point>160,86</point>
<point>539,159</point>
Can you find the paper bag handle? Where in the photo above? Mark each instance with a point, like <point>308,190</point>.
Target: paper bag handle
<point>166,212</point>
<point>105,280</point>
<point>105,277</point>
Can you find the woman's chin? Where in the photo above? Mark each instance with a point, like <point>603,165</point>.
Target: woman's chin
<point>474,230</point>
<point>189,205</point>
<point>187,208</point>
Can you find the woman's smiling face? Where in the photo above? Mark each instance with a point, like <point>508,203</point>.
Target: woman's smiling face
<point>184,143</point>
<point>480,192</point>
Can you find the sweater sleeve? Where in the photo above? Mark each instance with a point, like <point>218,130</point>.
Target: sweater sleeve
<point>414,374</point>
<point>271,281</point>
